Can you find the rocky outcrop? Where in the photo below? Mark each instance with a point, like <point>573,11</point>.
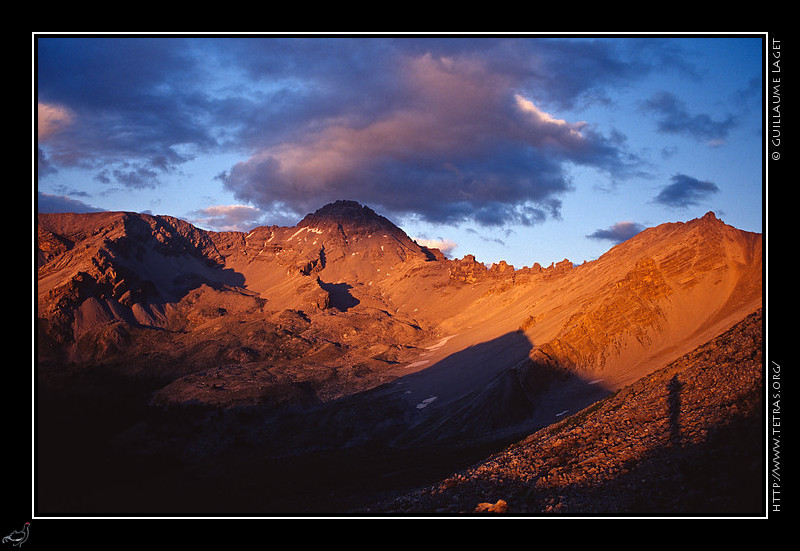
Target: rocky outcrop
<point>467,270</point>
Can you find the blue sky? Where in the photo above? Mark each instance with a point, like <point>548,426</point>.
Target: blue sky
<point>522,148</point>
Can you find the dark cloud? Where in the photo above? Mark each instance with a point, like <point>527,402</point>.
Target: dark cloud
<point>448,129</point>
<point>619,232</point>
<point>121,102</point>
<point>455,142</point>
<point>43,166</point>
<point>685,191</point>
<point>564,73</point>
<point>674,118</point>
<point>130,176</point>
<point>59,203</point>
<point>496,240</point>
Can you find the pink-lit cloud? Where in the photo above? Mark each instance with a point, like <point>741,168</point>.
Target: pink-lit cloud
<point>447,246</point>
<point>51,119</point>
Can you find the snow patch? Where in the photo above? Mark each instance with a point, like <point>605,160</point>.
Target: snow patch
<point>298,231</point>
<point>424,403</point>
<point>440,344</point>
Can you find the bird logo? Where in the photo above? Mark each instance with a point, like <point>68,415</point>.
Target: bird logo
<point>18,537</point>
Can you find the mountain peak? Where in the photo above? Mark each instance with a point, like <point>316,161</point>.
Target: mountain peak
<point>342,210</point>
<point>343,206</point>
<point>348,214</point>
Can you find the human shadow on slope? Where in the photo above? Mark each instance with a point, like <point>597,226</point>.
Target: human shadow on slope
<point>674,399</point>
<point>717,471</point>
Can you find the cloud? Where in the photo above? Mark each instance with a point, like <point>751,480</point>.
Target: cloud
<point>496,240</point>
<point>447,246</point>
<point>685,191</point>
<point>228,217</point>
<point>50,119</point>
<point>130,175</point>
<point>456,144</point>
<point>59,203</point>
<point>619,232</point>
<point>674,118</point>
<point>449,129</point>
<point>132,107</point>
